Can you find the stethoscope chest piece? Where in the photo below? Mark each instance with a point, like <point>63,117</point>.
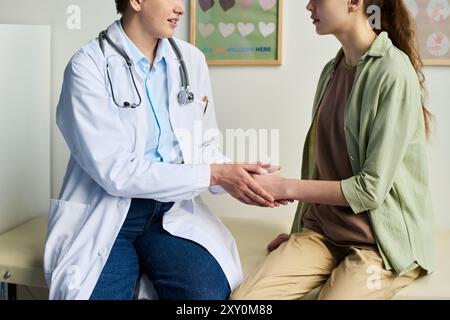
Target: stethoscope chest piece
<point>185,96</point>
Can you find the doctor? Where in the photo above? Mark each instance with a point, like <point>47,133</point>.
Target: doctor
<point>129,221</point>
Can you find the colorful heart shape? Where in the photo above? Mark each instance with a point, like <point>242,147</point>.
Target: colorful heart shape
<point>267,4</point>
<point>266,29</point>
<point>246,4</point>
<point>205,29</point>
<point>226,29</point>
<point>227,4</point>
<point>205,5</point>
<point>245,28</point>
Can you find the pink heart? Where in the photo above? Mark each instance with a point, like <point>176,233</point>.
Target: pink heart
<point>267,4</point>
<point>246,4</point>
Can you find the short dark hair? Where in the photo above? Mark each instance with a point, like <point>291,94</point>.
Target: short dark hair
<point>121,6</point>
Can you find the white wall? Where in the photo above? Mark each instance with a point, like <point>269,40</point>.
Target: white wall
<point>25,123</point>
<point>246,97</point>
<point>438,80</point>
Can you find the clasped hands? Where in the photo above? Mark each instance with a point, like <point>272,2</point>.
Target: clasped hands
<point>253,184</point>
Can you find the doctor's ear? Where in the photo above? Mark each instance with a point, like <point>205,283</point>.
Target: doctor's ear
<point>354,5</point>
<point>135,5</point>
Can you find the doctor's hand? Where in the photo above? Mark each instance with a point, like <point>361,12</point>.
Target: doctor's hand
<point>237,180</point>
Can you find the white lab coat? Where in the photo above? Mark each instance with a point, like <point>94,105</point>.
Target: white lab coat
<point>107,168</point>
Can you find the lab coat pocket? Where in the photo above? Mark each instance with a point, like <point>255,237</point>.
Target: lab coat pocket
<point>201,107</point>
<point>65,221</point>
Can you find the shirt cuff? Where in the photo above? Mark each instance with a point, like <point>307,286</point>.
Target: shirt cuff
<point>203,177</point>
<point>215,190</point>
<point>350,193</point>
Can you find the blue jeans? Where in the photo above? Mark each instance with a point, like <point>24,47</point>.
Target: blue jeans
<point>180,269</point>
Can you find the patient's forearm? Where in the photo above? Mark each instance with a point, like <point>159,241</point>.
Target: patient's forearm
<point>314,191</point>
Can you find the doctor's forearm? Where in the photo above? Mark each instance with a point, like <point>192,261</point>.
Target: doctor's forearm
<point>315,191</point>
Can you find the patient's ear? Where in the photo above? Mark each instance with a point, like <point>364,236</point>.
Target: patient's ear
<point>355,5</point>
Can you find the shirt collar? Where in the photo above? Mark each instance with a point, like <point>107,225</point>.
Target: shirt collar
<point>378,49</point>
<point>161,51</point>
<point>137,55</point>
<point>380,46</point>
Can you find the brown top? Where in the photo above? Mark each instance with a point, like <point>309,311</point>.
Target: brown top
<point>339,224</point>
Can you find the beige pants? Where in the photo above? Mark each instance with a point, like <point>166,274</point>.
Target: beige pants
<point>309,260</point>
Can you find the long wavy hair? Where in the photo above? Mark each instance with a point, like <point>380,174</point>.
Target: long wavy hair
<point>397,21</point>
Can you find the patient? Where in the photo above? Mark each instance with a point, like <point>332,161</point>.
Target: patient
<point>363,228</point>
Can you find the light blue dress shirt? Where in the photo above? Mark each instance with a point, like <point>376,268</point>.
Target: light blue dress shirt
<point>162,144</point>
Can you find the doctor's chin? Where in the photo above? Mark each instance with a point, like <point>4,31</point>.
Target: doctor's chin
<point>230,158</point>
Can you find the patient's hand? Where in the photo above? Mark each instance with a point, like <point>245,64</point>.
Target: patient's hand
<point>275,243</point>
<point>274,184</point>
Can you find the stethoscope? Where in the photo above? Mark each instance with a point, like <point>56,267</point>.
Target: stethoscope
<point>185,96</point>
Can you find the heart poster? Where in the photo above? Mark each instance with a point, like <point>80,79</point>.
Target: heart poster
<point>237,32</point>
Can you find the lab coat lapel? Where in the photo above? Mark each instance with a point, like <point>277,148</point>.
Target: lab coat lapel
<point>140,114</point>
<point>178,119</point>
<point>174,82</point>
<point>115,34</point>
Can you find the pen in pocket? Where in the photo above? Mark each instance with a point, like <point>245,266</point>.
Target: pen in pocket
<point>206,100</point>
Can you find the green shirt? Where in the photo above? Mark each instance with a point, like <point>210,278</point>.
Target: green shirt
<point>385,135</point>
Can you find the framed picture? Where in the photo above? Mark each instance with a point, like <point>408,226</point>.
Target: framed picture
<point>238,32</point>
<point>433,29</point>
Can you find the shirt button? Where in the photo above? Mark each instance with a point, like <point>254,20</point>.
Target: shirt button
<point>122,203</point>
<point>102,252</point>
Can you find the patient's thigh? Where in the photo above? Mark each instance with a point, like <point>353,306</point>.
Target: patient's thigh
<point>298,266</point>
